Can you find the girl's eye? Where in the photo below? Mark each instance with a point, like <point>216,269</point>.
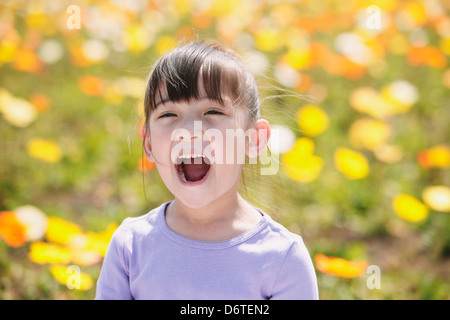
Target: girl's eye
<point>167,114</point>
<point>214,112</point>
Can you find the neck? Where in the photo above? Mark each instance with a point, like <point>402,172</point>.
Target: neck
<point>222,219</point>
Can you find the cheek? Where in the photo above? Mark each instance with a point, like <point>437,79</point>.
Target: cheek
<point>160,144</point>
<point>227,175</point>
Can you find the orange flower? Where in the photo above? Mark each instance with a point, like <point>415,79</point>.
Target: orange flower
<point>40,102</point>
<point>319,53</point>
<point>426,55</point>
<point>305,83</point>
<point>144,164</point>
<point>339,65</point>
<point>23,224</point>
<point>140,130</point>
<point>201,20</point>
<point>352,70</point>
<point>91,85</point>
<point>437,156</point>
<point>27,60</point>
<point>11,230</point>
<point>340,267</point>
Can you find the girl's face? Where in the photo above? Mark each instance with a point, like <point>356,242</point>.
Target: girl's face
<point>193,147</point>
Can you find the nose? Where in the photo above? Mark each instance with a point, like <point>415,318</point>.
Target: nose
<point>187,140</point>
<point>191,130</point>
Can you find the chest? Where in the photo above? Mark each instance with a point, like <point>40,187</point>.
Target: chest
<point>177,272</point>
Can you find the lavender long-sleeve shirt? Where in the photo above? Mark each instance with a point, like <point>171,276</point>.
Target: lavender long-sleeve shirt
<point>148,260</point>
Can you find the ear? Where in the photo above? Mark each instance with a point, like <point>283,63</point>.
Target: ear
<point>259,138</point>
<point>146,144</point>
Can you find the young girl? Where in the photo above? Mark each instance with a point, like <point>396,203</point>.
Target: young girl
<point>207,243</point>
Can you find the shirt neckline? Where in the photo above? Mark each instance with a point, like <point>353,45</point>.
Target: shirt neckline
<point>210,245</point>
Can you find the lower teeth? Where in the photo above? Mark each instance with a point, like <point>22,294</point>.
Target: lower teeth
<point>182,176</point>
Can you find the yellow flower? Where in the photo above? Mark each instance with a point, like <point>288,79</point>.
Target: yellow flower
<point>352,164</point>
<point>67,243</point>
<point>440,156</point>
<point>182,7</point>
<point>164,44</point>
<point>367,100</point>
<point>437,156</point>
<point>297,58</point>
<point>444,45</point>
<point>437,198</point>
<point>44,150</point>
<point>340,267</point>
<point>43,252</point>
<point>223,8</point>
<point>398,44</point>
<point>62,231</point>
<point>416,13</point>
<point>99,241</point>
<point>409,208</point>
<point>369,133</point>
<point>137,38</point>
<point>300,164</point>
<point>267,39</point>
<point>72,278</point>
<point>312,120</point>
<point>8,51</point>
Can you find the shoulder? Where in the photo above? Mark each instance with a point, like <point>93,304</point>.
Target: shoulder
<point>290,245</point>
<point>133,228</point>
<point>276,232</point>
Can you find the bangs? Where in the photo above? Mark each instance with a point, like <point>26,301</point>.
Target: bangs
<point>177,76</point>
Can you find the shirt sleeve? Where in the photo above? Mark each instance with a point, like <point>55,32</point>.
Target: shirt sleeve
<point>113,282</point>
<point>296,279</point>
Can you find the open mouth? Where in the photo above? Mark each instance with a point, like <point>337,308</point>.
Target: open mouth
<point>192,168</point>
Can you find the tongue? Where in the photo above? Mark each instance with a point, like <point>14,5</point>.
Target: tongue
<point>194,172</point>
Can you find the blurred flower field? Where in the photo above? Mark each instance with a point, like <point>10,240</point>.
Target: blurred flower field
<point>358,92</point>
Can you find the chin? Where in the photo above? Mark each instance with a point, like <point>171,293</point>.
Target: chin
<point>193,203</point>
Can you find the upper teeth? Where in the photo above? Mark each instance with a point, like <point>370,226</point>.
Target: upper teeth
<point>189,156</point>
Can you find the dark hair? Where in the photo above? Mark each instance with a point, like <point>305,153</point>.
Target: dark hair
<point>223,74</point>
